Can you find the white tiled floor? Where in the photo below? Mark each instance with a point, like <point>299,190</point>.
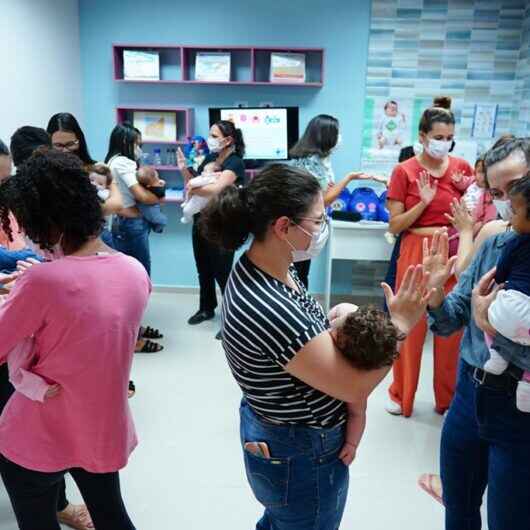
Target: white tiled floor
<point>187,472</point>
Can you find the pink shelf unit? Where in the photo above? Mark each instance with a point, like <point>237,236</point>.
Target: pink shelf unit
<point>184,120</point>
<point>250,65</point>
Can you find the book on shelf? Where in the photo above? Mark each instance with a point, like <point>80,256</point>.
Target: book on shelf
<point>287,68</point>
<point>212,66</point>
<point>156,125</point>
<point>141,65</point>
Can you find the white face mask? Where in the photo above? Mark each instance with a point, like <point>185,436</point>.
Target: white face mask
<point>317,243</point>
<point>49,255</point>
<point>438,149</point>
<point>138,153</point>
<point>214,144</point>
<point>504,209</point>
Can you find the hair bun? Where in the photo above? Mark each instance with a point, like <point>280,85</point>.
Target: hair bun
<point>443,102</point>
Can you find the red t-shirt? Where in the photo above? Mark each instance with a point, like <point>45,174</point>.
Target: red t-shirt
<point>403,188</point>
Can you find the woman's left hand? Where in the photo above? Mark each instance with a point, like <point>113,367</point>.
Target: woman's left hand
<point>409,304</point>
<point>482,296</point>
<point>460,217</point>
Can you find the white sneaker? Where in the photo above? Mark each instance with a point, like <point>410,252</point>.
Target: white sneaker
<point>393,408</point>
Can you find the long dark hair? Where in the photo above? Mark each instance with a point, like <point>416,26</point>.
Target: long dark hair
<point>122,140</point>
<point>66,122</point>
<point>319,138</point>
<point>279,190</point>
<point>51,194</point>
<point>229,129</point>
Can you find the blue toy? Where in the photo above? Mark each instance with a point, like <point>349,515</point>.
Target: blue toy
<point>195,150</point>
<point>382,212</point>
<point>340,204</point>
<point>365,202</point>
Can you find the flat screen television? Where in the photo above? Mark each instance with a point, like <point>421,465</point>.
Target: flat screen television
<point>269,132</point>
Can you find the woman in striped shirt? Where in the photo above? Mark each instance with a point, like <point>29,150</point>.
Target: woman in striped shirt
<point>295,382</point>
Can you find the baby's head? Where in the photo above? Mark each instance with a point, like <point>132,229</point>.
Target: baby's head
<point>100,175</point>
<point>391,108</point>
<point>480,173</point>
<point>148,177</point>
<point>519,194</point>
<point>367,338</point>
<point>211,167</point>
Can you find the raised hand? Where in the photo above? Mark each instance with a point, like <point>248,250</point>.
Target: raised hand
<point>426,190</point>
<point>409,304</point>
<point>460,217</point>
<point>436,261</point>
<point>181,160</point>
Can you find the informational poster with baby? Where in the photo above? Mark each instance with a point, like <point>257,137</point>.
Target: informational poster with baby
<point>389,125</point>
<point>264,131</point>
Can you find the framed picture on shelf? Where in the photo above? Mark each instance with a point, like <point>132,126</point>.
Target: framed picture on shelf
<point>212,66</point>
<point>156,126</point>
<point>287,68</point>
<point>141,65</point>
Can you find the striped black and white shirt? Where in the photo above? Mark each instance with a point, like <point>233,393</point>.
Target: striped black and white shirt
<point>265,323</point>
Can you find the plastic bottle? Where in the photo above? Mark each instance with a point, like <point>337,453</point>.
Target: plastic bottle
<point>157,159</point>
<point>169,157</point>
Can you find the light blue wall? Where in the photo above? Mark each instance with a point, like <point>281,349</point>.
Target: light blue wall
<point>341,28</point>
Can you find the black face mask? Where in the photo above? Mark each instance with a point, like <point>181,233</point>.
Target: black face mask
<point>159,191</point>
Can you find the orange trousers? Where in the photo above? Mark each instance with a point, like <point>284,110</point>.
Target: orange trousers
<point>406,369</point>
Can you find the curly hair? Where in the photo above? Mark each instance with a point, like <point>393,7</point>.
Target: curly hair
<point>521,188</point>
<point>368,339</point>
<point>52,199</point>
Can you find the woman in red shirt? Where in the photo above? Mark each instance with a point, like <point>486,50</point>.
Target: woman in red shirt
<point>419,197</point>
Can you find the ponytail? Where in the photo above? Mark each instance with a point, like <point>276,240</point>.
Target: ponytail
<point>277,191</point>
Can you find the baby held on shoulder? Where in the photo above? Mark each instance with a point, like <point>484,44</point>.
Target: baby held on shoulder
<point>369,340</point>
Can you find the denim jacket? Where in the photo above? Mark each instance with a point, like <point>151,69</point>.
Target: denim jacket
<point>455,313</point>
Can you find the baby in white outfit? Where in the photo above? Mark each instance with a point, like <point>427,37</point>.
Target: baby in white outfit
<point>193,205</point>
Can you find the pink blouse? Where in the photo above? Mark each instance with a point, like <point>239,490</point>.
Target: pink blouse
<point>84,313</point>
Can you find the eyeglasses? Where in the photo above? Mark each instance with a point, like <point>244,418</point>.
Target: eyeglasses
<point>68,146</point>
<point>322,222</point>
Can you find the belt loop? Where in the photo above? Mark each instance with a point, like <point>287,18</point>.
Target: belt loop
<point>480,380</point>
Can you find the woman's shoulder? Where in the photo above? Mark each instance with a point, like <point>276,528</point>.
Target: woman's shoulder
<point>459,164</point>
<point>121,161</point>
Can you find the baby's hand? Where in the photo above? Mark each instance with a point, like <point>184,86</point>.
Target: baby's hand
<point>52,391</point>
<point>347,453</point>
<point>340,311</point>
<point>460,180</point>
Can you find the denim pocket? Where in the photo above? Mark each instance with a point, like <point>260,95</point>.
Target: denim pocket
<point>268,478</point>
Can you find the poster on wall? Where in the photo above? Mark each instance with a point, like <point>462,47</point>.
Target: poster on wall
<point>213,66</point>
<point>156,126</point>
<point>484,120</point>
<point>389,125</point>
<point>287,68</point>
<point>141,65</point>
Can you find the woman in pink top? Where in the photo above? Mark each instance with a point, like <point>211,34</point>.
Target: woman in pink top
<point>83,310</point>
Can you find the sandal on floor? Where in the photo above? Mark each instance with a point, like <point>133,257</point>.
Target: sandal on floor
<point>150,347</point>
<point>76,516</point>
<point>150,333</point>
<point>131,390</point>
<point>426,483</point>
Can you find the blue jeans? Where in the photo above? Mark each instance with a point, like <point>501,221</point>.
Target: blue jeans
<point>485,442</point>
<point>131,236</point>
<point>304,485</point>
